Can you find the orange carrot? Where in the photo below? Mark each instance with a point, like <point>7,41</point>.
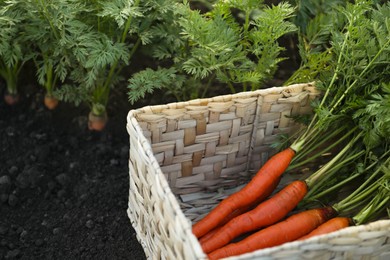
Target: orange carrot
<point>255,189</point>
<point>97,123</point>
<point>329,226</point>
<point>11,99</point>
<point>238,212</point>
<point>288,230</point>
<point>50,102</point>
<point>265,214</point>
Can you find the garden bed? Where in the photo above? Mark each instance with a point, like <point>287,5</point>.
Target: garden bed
<point>64,188</point>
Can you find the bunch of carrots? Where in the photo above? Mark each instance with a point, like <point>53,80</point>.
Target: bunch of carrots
<point>353,112</point>
<point>249,210</point>
<point>267,226</point>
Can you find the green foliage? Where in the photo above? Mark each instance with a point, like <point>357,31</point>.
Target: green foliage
<point>373,116</point>
<point>236,53</point>
<point>112,32</point>
<point>238,49</point>
<point>82,44</point>
<point>50,25</point>
<point>73,94</point>
<point>353,72</point>
<point>149,80</point>
<point>311,15</point>
<point>13,52</point>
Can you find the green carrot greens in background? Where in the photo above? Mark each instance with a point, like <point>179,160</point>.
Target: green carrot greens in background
<point>238,50</point>
<point>354,109</point>
<point>50,26</point>
<point>116,30</point>
<point>13,52</point>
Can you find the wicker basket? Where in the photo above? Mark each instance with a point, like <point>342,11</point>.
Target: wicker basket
<point>185,157</point>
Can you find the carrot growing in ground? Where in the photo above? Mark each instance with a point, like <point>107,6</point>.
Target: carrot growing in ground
<point>254,190</point>
<point>97,118</point>
<point>50,102</point>
<point>11,99</point>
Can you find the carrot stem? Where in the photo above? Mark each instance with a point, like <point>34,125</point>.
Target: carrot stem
<point>334,187</point>
<point>318,174</point>
<point>317,142</point>
<point>343,182</point>
<point>366,189</point>
<point>328,148</point>
<point>330,172</point>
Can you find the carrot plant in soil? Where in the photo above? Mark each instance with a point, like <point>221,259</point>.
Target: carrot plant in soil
<point>84,49</point>
<point>230,48</point>
<point>12,52</point>
<point>49,26</point>
<point>353,108</point>
<point>47,37</point>
<point>111,33</point>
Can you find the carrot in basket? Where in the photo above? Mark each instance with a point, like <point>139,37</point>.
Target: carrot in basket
<point>254,190</point>
<point>372,197</point>
<point>329,226</point>
<point>265,214</point>
<point>374,194</point>
<point>277,207</point>
<point>290,229</point>
<point>239,211</point>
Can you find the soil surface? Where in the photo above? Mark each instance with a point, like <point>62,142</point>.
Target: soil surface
<point>63,188</point>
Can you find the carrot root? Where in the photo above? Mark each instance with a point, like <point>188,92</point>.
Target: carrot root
<point>288,230</point>
<point>329,226</point>
<point>11,99</point>
<point>97,123</point>
<point>254,190</point>
<point>238,212</point>
<point>265,214</point>
<point>50,102</point>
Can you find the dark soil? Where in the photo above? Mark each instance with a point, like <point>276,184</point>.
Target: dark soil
<point>63,188</point>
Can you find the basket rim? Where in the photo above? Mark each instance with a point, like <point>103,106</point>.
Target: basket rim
<point>199,101</point>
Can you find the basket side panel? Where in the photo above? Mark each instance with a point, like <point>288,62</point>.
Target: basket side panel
<point>205,146</point>
<point>275,117</point>
<point>161,228</point>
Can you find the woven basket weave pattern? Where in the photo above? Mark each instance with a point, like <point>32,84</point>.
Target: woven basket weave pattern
<point>185,157</point>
